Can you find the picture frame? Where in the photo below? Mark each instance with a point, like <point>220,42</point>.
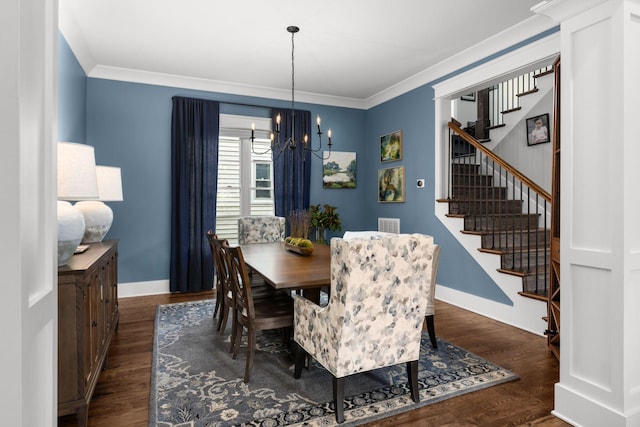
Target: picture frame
<point>538,129</point>
<point>391,185</point>
<point>471,97</point>
<point>391,147</point>
<point>339,170</point>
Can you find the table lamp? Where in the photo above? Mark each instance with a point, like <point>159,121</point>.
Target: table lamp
<point>76,181</point>
<point>98,217</point>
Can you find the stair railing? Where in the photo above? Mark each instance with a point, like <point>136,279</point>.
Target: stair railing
<point>509,210</point>
<point>505,96</point>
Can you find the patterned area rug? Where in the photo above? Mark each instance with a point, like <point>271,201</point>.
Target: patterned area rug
<point>196,383</point>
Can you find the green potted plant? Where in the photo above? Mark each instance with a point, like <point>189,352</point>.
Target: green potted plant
<point>324,217</point>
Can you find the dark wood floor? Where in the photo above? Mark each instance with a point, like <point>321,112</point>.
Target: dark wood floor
<point>122,394</point>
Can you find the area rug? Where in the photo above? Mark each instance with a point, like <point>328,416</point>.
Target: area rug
<point>196,383</point>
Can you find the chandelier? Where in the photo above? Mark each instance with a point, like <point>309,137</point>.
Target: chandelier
<point>278,146</point>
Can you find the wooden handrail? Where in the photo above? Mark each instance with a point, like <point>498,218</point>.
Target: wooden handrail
<point>454,125</point>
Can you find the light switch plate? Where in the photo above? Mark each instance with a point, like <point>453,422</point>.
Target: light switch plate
<point>420,183</point>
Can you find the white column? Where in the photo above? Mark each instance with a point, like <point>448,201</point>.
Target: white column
<point>600,210</point>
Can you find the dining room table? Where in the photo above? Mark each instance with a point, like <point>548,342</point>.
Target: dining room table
<point>287,269</point>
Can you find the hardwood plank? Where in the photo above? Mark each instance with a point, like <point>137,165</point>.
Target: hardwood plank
<point>122,393</point>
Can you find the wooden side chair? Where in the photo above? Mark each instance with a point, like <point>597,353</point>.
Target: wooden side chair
<point>225,292</point>
<point>254,314</point>
<point>376,310</point>
<point>219,307</point>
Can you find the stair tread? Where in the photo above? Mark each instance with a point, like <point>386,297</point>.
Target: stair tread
<point>512,250</point>
<point>540,297</point>
<point>544,73</point>
<point>511,110</point>
<point>501,125</point>
<point>529,92</point>
<point>505,232</point>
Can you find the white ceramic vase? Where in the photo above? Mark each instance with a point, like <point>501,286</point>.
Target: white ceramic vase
<point>98,218</point>
<point>70,231</point>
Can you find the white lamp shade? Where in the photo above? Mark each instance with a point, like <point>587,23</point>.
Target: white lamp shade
<point>77,178</point>
<point>109,183</point>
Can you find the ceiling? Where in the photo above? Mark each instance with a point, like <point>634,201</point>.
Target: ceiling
<point>350,49</point>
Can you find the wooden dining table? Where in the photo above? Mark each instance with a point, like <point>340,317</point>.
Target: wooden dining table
<point>284,269</point>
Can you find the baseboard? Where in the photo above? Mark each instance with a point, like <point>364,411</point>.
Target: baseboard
<point>138,289</point>
<point>526,313</point>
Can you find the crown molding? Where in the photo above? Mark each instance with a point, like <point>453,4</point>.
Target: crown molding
<point>161,79</point>
<point>503,40</point>
<point>511,36</point>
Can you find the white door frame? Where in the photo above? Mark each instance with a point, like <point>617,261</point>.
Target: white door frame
<point>28,133</point>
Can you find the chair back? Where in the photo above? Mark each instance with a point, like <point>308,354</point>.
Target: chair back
<point>214,244</point>
<point>379,289</point>
<point>261,229</point>
<point>223,279</point>
<point>240,281</point>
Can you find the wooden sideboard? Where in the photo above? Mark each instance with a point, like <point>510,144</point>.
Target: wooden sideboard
<point>87,318</point>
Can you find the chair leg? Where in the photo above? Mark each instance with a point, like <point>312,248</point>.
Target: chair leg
<point>236,339</point>
<point>432,331</point>
<point>234,332</point>
<point>299,358</point>
<point>338,398</point>
<point>217,307</point>
<point>412,374</point>
<point>250,347</point>
<point>222,322</point>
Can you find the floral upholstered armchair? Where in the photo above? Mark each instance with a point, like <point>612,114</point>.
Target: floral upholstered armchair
<point>377,306</point>
<point>261,229</point>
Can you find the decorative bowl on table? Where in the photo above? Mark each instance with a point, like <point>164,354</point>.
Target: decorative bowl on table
<point>299,245</point>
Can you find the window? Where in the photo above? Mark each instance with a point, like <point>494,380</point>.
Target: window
<point>262,173</point>
<point>245,179</point>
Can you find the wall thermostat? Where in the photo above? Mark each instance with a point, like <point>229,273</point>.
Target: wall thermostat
<point>420,183</point>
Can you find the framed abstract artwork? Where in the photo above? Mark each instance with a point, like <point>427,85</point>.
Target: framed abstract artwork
<point>391,147</point>
<point>391,187</point>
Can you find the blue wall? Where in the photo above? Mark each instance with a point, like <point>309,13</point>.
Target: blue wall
<point>72,99</point>
<point>129,126</point>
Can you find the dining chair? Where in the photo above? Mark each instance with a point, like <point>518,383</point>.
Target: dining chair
<point>254,314</point>
<point>261,229</point>
<point>219,306</point>
<point>227,291</point>
<point>377,306</point>
<point>431,298</point>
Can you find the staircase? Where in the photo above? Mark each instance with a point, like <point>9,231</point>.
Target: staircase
<point>500,210</point>
<point>509,212</point>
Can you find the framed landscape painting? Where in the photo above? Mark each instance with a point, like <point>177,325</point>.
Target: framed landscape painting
<point>391,185</point>
<point>391,147</point>
<point>339,170</point>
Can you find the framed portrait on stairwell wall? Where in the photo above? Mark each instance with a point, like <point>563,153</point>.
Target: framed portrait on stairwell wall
<point>538,129</point>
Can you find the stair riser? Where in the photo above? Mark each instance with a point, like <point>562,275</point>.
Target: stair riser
<point>480,223</point>
<point>472,192</point>
<point>465,169</point>
<point>524,261</point>
<point>541,280</point>
<point>516,239</point>
<point>476,207</point>
<point>477,180</point>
